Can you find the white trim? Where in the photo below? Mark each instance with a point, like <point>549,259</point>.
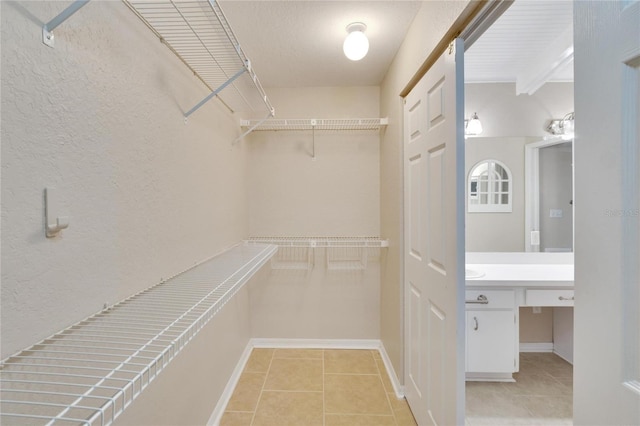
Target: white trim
<point>398,389</point>
<point>217,413</point>
<point>489,377</point>
<point>371,344</point>
<point>315,343</point>
<point>562,356</point>
<point>536,347</point>
<point>532,188</point>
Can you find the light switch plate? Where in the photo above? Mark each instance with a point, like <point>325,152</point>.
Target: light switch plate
<point>556,213</point>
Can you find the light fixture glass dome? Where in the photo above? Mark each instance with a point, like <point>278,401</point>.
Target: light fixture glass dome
<point>474,126</point>
<point>356,45</point>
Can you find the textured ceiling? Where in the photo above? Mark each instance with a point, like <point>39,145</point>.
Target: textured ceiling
<point>299,43</point>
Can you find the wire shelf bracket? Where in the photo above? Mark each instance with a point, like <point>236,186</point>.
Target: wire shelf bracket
<point>91,372</point>
<point>214,93</point>
<point>198,33</point>
<point>47,29</point>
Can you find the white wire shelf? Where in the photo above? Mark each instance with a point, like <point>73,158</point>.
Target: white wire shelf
<point>341,253</point>
<point>90,372</point>
<point>320,242</point>
<point>336,124</point>
<point>198,32</point>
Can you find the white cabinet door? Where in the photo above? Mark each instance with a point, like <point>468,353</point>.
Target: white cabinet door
<point>490,341</point>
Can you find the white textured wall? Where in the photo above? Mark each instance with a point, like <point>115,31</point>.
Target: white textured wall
<point>100,118</point>
<point>337,194</point>
<point>318,303</point>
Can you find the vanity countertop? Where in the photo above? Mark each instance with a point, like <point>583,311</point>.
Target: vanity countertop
<point>519,270</point>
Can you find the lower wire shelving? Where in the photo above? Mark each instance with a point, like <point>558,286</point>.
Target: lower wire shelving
<point>89,373</point>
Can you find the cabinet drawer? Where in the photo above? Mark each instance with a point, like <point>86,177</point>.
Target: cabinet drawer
<point>549,297</point>
<point>490,299</point>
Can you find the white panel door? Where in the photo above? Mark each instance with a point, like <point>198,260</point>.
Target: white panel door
<point>434,243</point>
<point>607,188</point>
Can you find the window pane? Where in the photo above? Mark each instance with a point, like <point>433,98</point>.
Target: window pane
<point>473,188</point>
<point>505,198</point>
<point>505,186</point>
<point>500,171</point>
<point>480,170</point>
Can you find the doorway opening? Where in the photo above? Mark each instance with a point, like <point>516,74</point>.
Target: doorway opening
<point>518,79</point>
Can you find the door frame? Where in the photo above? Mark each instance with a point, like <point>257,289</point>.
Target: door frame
<point>532,188</point>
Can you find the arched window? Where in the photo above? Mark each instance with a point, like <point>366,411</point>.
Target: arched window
<point>490,187</point>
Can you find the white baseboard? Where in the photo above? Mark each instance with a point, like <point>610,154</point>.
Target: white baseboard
<point>536,347</point>
<point>315,343</point>
<point>489,377</point>
<point>563,356</point>
<point>216,416</point>
<point>395,382</point>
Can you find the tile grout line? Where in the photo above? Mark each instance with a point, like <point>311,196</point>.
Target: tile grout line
<point>386,391</point>
<point>255,409</point>
<point>324,402</point>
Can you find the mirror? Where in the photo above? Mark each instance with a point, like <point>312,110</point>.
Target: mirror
<point>534,178</point>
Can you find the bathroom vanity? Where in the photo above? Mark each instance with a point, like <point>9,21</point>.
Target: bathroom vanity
<point>497,285</point>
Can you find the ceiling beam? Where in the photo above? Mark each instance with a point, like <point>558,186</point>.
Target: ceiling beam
<point>545,65</point>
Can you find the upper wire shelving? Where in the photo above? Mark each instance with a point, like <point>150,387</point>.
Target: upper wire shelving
<point>336,124</point>
<point>200,35</point>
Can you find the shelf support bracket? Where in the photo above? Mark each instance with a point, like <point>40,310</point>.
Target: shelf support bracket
<point>47,29</point>
<point>215,92</point>
<point>271,114</point>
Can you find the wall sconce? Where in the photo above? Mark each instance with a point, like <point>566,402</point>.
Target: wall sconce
<point>356,45</point>
<point>563,127</point>
<point>473,127</point>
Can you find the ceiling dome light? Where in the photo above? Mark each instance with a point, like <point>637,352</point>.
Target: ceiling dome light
<point>356,45</point>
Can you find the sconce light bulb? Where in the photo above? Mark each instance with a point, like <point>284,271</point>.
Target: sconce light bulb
<point>474,126</point>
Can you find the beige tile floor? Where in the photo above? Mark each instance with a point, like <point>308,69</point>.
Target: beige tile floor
<point>542,395</point>
<point>307,387</point>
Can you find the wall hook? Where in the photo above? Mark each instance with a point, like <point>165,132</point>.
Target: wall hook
<point>53,223</point>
